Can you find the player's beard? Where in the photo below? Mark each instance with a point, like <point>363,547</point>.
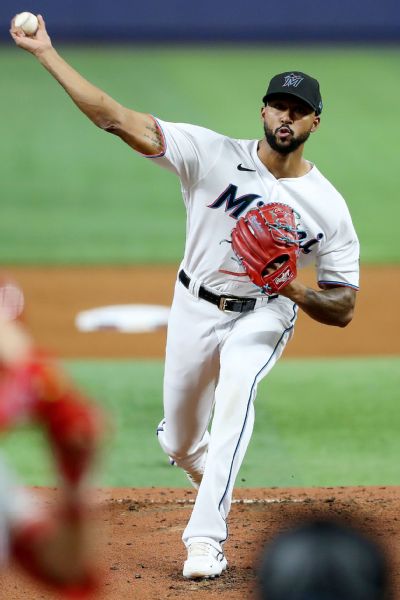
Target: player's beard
<point>294,143</point>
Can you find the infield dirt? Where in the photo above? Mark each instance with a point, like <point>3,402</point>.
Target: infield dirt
<point>55,295</point>
<point>140,551</point>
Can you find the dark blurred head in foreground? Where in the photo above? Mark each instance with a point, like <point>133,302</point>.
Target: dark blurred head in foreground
<point>323,560</point>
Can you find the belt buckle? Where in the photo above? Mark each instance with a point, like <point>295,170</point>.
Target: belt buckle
<point>222,303</point>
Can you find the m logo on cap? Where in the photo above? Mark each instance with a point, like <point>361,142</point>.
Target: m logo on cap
<point>292,80</point>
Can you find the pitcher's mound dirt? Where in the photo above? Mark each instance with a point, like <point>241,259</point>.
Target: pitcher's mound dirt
<point>141,552</point>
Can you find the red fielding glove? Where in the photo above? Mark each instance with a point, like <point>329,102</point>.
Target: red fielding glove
<point>38,391</point>
<point>265,240</point>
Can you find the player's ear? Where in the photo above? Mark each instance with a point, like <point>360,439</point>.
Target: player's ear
<point>316,122</point>
<point>263,111</point>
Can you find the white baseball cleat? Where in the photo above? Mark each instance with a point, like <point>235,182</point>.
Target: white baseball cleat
<point>194,478</point>
<point>204,561</point>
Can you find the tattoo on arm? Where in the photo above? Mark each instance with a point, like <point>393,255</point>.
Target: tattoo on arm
<point>332,306</point>
<point>154,136</point>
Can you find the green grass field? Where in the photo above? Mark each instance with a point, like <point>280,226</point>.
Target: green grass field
<point>72,194</point>
<point>318,423</point>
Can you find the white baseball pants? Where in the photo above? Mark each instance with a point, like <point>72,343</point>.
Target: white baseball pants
<point>215,360</point>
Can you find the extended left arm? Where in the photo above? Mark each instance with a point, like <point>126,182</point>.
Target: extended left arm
<point>330,305</point>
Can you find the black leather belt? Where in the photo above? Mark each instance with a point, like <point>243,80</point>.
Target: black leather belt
<point>226,303</point>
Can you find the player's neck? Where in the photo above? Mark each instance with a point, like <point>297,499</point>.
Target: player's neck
<point>283,165</point>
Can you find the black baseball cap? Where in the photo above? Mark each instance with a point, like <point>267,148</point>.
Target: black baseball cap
<point>296,83</point>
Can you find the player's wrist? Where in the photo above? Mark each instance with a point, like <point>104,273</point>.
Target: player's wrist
<point>295,291</point>
<point>45,53</point>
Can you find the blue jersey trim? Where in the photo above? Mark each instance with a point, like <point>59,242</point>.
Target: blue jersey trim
<point>340,284</point>
<point>247,412</point>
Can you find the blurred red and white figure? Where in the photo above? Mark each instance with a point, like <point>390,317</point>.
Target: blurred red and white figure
<point>51,544</point>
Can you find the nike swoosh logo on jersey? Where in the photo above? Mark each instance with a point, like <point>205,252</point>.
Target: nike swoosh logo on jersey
<point>240,168</point>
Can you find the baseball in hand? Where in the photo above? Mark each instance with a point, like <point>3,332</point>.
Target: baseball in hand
<point>27,22</point>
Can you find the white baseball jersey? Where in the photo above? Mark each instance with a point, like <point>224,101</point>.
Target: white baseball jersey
<point>224,175</point>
